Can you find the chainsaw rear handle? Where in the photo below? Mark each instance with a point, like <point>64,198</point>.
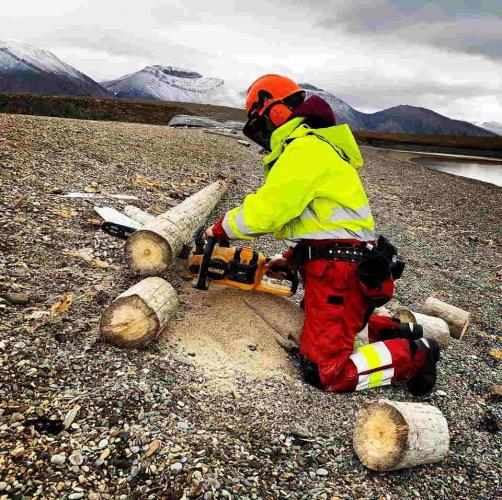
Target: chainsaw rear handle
<point>289,275</point>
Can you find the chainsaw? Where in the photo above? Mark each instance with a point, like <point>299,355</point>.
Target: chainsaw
<point>215,261</point>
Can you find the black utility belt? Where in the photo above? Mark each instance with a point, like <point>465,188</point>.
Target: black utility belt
<point>347,252</point>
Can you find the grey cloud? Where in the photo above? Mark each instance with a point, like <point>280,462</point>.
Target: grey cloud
<point>466,26</point>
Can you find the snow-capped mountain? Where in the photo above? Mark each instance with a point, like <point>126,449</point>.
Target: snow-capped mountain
<point>27,69</point>
<point>399,119</point>
<point>169,83</point>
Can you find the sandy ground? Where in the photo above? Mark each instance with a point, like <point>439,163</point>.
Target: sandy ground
<point>215,408</point>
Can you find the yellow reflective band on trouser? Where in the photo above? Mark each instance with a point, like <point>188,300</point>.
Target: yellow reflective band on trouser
<point>369,358</point>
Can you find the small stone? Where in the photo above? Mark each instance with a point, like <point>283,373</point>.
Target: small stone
<point>58,459</point>
<point>134,449</point>
<point>99,463</point>
<point>3,485</point>
<point>105,454</point>
<point>76,458</point>
<point>299,432</point>
<point>16,298</point>
<point>152,448</point>
<point>177,467</point>
<point>321,472</point>
<point>76,496</point>
<point>184,426</point>
<point>440,393</point>
<point>103,444</point>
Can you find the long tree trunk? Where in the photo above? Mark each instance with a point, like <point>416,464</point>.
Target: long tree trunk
<point>389,435</point>
<point>151,250</point>
<point>138,315</point>
<point>138,215</point>
<point>457,319</point>
<point>434,328</point>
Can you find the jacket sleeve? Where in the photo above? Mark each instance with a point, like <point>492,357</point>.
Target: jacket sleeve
<point>289,188</point>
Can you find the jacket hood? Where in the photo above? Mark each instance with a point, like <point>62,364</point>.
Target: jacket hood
<point>339,137</point>
<point>317,111</point>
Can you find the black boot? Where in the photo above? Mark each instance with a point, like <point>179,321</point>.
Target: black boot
<point>408,331</point>
<point>425,379</point>
<point>411,331</point>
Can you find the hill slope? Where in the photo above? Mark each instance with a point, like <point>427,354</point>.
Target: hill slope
<point>168,83</point>
<point>28,69</point>
<point>400,119</point>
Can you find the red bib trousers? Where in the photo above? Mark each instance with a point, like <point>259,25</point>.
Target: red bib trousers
<point>338,336</point>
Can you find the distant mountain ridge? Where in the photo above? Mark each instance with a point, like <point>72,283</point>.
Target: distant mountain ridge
<point>169,83</point>
<point>399,119</point>
<point>28,69</point>
<point>25,68</point>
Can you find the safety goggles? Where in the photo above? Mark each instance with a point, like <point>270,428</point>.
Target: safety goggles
<point>259,128</point>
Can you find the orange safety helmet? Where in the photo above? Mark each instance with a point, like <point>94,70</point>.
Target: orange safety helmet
<point>267,94</point>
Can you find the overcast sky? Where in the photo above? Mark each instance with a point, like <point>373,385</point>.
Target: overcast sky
<point>445,55</point>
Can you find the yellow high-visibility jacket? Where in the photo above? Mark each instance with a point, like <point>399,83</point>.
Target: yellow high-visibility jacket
<point>312,189</point>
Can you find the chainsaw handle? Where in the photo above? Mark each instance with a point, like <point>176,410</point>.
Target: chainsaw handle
<point>201,283</point>
<point>289,275</point>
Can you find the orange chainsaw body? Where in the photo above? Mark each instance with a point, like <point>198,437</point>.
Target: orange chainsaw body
<point>240,267</point>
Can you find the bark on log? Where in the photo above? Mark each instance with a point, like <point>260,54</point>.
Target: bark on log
<point>137,316</point>
<point>389,435</point>
<point>138,215</point>
<point>458,320</point>
<point>151,250</point>
<point>434,328</point>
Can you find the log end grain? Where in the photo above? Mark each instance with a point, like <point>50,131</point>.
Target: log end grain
<point>380,436</point>
<point>147,253</point>
<point>129,322</point>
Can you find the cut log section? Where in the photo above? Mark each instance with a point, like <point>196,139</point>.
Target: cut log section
<point>138,315</point>
<point>389,435</point>
<point>138,215</point>
<point>151,250</point>
<point>434,328</point>
<point>458,320</point>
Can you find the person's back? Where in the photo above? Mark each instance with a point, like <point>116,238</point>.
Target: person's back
<point>313,199</point>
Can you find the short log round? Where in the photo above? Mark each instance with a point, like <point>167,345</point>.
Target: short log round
<point>389,435</point>
<point>138,315</point>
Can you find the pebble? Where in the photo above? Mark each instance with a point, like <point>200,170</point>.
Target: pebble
<point>16,298</point>
<point>3,485</point>
<point>76,458</point>
<point>321,472</point>
<point>58,459</point>
<point>103,444</point>
<point>177,467</point>
<point>134,449</point>
<point>441,393</point>
<point>76,496</point>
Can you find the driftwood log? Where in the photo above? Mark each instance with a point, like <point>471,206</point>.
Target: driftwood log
<point>137,316</point>
<point>389,435</point>
<point>151,250</point>
<point>138,215</point>
<point>458,320</point>
<point>434,328</point>
<point>224,134</point>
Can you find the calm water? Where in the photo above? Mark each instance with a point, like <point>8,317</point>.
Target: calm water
<point>486,172</point>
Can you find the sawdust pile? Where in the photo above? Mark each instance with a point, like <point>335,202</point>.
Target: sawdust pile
<point>230,334</point>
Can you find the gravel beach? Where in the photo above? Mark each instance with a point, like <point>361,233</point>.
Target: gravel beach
<point>81,419</point>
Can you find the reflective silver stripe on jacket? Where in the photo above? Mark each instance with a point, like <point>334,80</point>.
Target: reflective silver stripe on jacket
<point>338,234</point>
<point>344,213</point>
<point>239,222</point>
